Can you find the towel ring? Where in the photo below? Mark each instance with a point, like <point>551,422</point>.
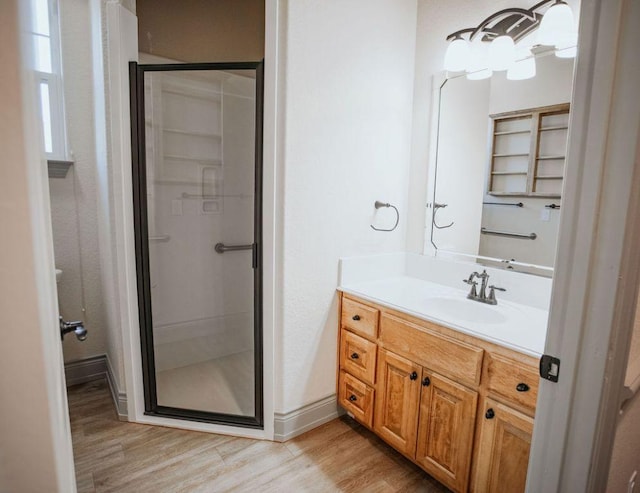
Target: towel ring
<point>379,205</point>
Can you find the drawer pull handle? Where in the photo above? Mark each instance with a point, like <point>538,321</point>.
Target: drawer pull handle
<point>522,387</point>
<point>426,381</point>
<point>490,414</point>
<point>355,356</point>
<point>413,376</point>
<point>353,398</point>
<point>356,317</point>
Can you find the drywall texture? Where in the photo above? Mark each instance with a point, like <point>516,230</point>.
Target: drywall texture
<point>347,138</point>
<point>74,198</point>
<point>202,30</point>
<point>25,425</point>
<point>435,21</point>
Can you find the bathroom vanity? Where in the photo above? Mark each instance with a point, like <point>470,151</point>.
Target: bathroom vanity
<point>452,388</point>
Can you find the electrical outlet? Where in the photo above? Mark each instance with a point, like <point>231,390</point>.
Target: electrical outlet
<point>632,482</point>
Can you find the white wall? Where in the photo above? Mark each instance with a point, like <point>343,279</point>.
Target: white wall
<point>81,203</point>
<point>74,204</point>
<point>347,133</point>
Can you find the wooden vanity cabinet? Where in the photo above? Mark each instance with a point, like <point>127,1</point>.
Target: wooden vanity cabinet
<point>502,457</point>
<point>446,429</point>
<point>459,407</point>
<point>397,403</point>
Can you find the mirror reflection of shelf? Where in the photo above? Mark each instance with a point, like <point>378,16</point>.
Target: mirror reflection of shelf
<point>528,143</point>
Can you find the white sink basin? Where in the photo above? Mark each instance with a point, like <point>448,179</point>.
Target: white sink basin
<point>449,307</point>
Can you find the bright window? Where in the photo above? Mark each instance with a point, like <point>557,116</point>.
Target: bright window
<point>45,32</point>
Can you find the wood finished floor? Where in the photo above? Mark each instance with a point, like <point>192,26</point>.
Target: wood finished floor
<point>115,456</point>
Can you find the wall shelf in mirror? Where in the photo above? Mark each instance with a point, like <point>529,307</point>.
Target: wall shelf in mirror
<point>529,143</point>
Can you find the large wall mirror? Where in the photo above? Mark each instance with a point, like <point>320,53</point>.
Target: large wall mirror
<point>500,148</point>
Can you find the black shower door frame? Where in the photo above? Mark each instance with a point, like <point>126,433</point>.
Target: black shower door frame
<point>138,140</point>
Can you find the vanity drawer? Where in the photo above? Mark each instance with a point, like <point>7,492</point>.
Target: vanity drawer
<point>439,353</point>
<point>358,356</point>
<point>513,380</point>
<point>356,397</point>
<point>360,318</point>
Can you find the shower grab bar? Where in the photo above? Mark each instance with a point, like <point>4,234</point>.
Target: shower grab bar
<point>513,204</point>
<point>221,247</point>
<point>161,238</point>
<point>530,236</point>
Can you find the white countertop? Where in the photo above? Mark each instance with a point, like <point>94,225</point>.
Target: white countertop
<point>512,325</point>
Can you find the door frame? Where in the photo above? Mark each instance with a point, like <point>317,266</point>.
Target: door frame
<point>597,273</point>
<point>139,170</point>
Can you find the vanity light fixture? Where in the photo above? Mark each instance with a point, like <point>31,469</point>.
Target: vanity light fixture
<point>556,23</point>
<point>498,42</point>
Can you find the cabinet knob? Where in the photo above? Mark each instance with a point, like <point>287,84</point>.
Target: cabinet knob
<point>353,398</point>
<point>413,376</point>
<point>426,381</point>
<point>355,356</point>
<point>356,317</point>
<point>522,387</point>
<point>490,414</point>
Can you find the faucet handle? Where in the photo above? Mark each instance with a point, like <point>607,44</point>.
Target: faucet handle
<point>491,300</point>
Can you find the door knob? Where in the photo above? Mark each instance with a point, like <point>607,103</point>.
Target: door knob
<point>77,327</point>
<point>413,376</point>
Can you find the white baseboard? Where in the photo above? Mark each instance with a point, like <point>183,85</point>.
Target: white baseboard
<point>96,368</point>
<point>294,423</point>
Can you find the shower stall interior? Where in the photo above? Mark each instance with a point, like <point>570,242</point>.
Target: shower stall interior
<point>197,179</point>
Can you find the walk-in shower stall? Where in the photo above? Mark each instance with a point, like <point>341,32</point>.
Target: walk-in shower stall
<point>197,180</point>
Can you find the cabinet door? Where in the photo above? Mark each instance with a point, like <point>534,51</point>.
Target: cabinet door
<point>396,410</point>
<point>445,432</point>
<point>503,449</point>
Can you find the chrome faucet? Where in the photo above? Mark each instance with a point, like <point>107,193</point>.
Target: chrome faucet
<point>482,296</point>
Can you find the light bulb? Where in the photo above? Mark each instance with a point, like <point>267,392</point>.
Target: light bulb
<point>457,56</point>
<point>502,53</point>
<point>556,22</point>
<point>478,67</point>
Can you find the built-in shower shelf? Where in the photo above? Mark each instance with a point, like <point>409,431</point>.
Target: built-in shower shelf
<point>212,162</point>
<point>192,133</point>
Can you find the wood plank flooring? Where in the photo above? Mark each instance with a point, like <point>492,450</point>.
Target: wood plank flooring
<point>115,456</point>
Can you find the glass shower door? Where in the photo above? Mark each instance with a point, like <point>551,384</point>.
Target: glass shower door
<point>197,187</point>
